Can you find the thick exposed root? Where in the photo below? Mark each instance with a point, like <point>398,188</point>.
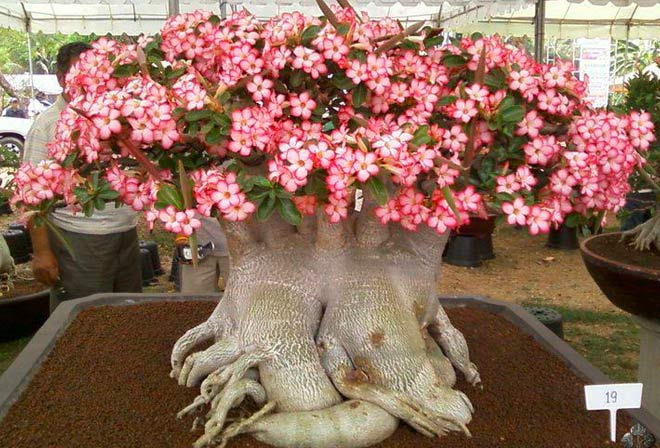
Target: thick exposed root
<point>351,423</point>
<point>645,235</point>
<point>354,383</point>
<point>223,403</point>
<point>198,365</point>
<point>193,337</point>
<point>440,362</point>
<point>453,343</point>
<point>243,426</point>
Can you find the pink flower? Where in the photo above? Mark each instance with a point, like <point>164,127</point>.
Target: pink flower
<point>181,222</point>
<point>538,220</point>
<point>302,105</point>
<point>465,110</point>
<point>517,212</point>
<point>365,165</point>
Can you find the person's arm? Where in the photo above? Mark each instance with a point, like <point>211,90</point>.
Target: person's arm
<point>44,263</point>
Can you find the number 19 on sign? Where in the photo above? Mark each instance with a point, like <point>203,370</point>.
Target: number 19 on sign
<point>613,397</point>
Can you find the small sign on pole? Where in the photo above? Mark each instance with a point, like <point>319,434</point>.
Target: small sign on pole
<point>613,397</point>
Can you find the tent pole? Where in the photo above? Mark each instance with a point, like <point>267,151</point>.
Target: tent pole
<point>539,30</point>
<point>28,26</point>
<point>172,7</point>
<point>223,9</point>
<point>29,45</point>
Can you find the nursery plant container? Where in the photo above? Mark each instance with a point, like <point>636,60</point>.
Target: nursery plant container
<point>563,238</point>
<point>22,227</point>
<point>463,250</point>
<point>548,317</point>
<point>638,207</point>
<point>128,387</point>
<point>470,252</point>
<point>23,315</point>
<point>630,279</point>
<point>175,271</point>
<point>5,208</point>
<point>147,267</point>
<point>152,247</point>
<point>18,245</point>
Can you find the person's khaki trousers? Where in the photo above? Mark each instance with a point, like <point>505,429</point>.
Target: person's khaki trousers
<point>209,276</point>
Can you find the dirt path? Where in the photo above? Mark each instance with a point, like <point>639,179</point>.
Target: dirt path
<point>525,270</point>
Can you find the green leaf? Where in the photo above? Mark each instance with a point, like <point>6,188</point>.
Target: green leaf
<point>288,211</point>
<point>513,114</point>
<point>328,126</point>
<point>108,195</point>
<point>343,29</point>
<point>378,190</point>
<point>196,115</point>
<point>297,78</point>
<point>408,44</point>
<point>359,95</point>
<point>310,33</point>
<point>214,136</point>
<point>476,36</point>
<point>453,60</point>
<point>446,100</point>
<point>360,55</point>
<point>421,136</point>
<point>434,41</point>
<point>70,159</point>
<point>573,220</point>
<point>495,79</point>
<point>170,195</point>
<point>207,127</point>
<point>341,81</point>
<point>266,208</point>
<point>261,181</point>
<point>88,208</point>
<point>125,70</point>
<point>222,120</point>
<point>214,20</point>
<point>192,129</point>
<point>99,203</point>
<point>449,197</point>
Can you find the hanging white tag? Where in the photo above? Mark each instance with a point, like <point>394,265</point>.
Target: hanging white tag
<point>613,397</point>
<point>359,199</point>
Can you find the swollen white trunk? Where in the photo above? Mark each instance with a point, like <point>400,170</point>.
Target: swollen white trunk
<point>315,315</point>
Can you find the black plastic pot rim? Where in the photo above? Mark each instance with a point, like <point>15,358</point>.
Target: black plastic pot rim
<point>24,298</point>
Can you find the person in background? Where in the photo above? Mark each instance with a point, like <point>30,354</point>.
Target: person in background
<point>105,245</point>
<point>14,109</point>
<point>212,271</point>
<point>38,104</point>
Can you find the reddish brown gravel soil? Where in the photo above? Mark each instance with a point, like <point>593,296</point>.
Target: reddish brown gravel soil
<point>610,247</point>
<point>22,288</point>
<point>106,385</point>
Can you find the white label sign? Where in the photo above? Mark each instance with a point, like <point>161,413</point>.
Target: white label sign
<point>613,397</point>
<point>594,66</point>
<point>359,199</point>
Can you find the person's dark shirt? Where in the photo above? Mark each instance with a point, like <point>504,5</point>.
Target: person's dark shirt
<point>16,113</point>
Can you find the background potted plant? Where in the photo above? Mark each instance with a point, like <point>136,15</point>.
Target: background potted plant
<point>643,93</point>
<point>626,265</point>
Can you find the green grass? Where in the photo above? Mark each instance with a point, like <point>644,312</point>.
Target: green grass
<point>608,340</point>
<point>10,350</point>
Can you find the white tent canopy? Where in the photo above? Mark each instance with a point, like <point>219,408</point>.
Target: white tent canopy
<point>575,19</point>
<point>147,16</point>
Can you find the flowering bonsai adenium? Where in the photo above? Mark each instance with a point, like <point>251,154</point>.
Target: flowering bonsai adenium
<point>277,128</point>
